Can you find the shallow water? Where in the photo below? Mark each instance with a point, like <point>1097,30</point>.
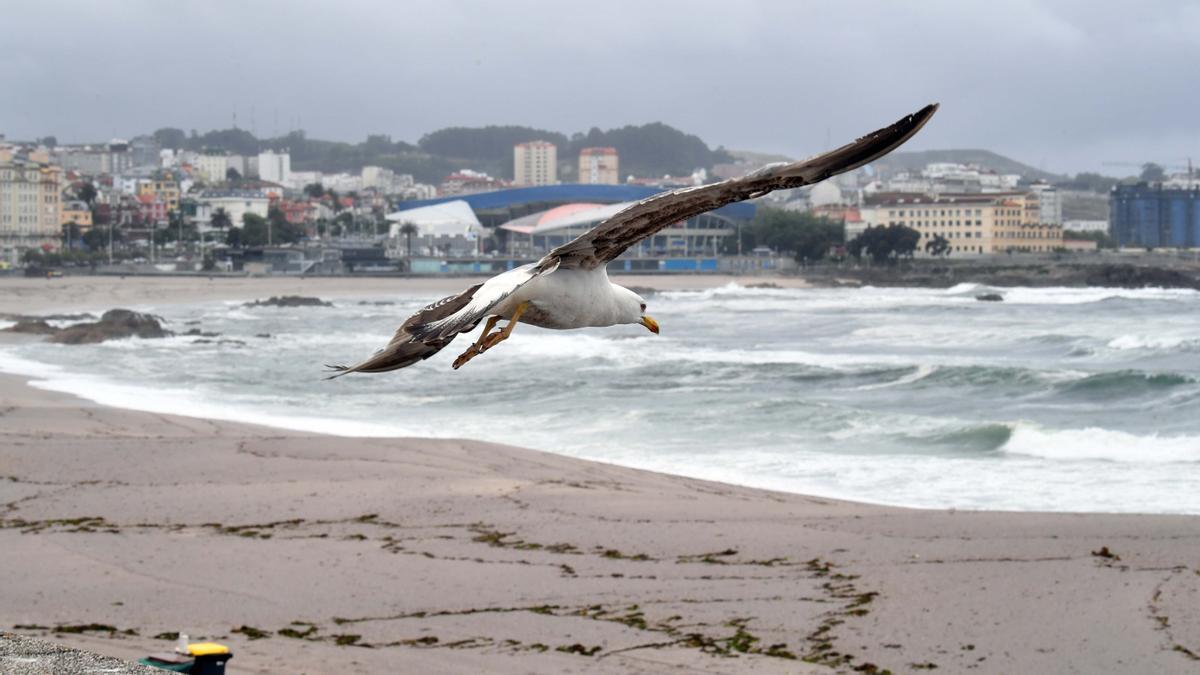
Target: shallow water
<point>1055,399</point>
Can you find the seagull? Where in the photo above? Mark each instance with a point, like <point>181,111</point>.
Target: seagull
<point>569,287</point>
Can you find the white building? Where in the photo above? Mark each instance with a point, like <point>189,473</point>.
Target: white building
<point>341,182</point>
<point>385,180</point>
<point>535,163</point>
<point>238,164</point>
<point>1086,225</point>
<point>1049,203</point>
<point>210,168</point>
<point>275,167</point>
<point>236,203</point>
<point>299,179</point>
<point>450,228</point>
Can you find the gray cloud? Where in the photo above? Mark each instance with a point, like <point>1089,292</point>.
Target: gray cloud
<point>1062,85</point>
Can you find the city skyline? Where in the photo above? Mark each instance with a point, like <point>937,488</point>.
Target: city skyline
<point>1062,86</point>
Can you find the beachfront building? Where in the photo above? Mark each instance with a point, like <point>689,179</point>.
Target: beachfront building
<point>598,166</point>
<point>1155,216</point>
<point>236,203</point>
<point>973,223</point>
<point>537,233</point>
<point>448,228</point>
<point>535,163</point>
<point>30,202</point>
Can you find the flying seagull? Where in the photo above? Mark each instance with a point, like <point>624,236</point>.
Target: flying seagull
<point>569,287</point>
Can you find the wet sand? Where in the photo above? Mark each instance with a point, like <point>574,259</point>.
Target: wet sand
<point>318,554</point>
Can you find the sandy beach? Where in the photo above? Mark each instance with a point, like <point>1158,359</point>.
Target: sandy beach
<point>319,554</point>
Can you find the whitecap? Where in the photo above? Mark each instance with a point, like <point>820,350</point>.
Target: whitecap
<point>1093,443</point>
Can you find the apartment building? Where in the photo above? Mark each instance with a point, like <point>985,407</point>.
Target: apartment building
<point>30,201</point>
<point>164,190</point>
<point>535,163</point>
<point>599,166</point>
<point>972,223</point>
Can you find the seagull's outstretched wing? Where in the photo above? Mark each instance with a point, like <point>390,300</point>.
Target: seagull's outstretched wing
<point>610,238</point>
<point>435,326</point>
<point>491,293</point>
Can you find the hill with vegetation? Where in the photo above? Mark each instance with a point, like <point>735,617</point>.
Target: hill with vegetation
<point>915,161</point>
<point>651,149</point>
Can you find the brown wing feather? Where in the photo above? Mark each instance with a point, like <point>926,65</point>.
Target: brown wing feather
<point>403,349</point>
<point>610,238</point>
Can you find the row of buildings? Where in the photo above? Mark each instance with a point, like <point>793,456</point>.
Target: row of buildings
<point>971,223</point>
<point>536,163</point>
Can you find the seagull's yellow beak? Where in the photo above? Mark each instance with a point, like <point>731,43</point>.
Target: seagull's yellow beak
<point>651,324</point>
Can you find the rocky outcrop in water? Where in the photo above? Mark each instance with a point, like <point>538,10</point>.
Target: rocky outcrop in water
<point>990,297</point>
<point>1137,276</point>
<point>32,326</point>
<point>289,301</point>
<point>47,317</point>
<point>115,324</point>
<point>944,274</point>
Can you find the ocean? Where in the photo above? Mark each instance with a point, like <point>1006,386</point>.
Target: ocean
<point>1056,399</point>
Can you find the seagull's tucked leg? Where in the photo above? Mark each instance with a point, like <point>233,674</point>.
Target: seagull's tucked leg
<point>502,335</point>
<point>477,348</point>
<point>487,341</point>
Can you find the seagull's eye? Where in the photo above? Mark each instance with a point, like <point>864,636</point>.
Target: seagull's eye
<point>643,306</point>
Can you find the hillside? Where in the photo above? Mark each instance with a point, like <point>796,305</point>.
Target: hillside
<point>915,161</point>
<point>652,149</point>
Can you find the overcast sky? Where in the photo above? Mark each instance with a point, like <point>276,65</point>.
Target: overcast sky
<point>1063,86</point>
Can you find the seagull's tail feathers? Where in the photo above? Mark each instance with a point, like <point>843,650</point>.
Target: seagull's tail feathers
<point>393,357</point>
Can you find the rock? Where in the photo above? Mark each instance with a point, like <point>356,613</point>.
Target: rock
<point>990,297</point>
<point>262,335</point>
<point>289,301</point>
<point>222,341</point>
<point>32,327</point>
<point>200,333</point>
<point>47,317</point>
<point>115,324</point>
<point>1133,276</point>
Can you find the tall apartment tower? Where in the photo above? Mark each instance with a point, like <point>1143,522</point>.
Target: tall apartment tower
<point>535,163</point>
<point>598,166</point>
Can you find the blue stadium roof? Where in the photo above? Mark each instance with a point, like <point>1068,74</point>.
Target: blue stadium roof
<point>565,193</point>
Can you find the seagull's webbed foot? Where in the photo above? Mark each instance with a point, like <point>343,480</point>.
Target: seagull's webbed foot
<point>477,347</point>
<point>487,340</point>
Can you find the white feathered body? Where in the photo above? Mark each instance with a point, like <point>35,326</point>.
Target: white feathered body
<point>563,299</point>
